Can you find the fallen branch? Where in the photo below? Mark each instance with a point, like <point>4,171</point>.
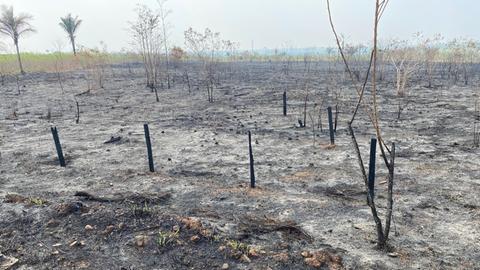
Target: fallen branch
<point>132,197</point>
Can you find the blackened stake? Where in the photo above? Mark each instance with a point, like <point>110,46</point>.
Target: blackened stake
<point>149,147</point>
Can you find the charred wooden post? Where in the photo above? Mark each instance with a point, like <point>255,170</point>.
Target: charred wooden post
<point>149,148</point>
<point>156,94</point>
<point>371,168</point>
<point>285,103</point>
<point>78,113</point>
<point>330,126</point>
<point>336,118</point>
<point>58,146</point>
<point>250,154</point>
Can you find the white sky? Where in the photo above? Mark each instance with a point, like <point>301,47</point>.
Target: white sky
<point>268,23</point>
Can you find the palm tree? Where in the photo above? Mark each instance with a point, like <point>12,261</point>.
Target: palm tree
<point>15,27</point>
<point>70,25</point>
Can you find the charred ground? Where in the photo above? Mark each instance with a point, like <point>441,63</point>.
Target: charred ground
<point>197,211</point>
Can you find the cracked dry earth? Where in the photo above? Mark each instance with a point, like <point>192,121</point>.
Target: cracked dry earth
<point>106,211</point>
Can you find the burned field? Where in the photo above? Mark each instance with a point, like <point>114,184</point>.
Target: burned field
<point>106,210</point>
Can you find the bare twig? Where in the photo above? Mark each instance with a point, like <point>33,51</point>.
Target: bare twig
<point>382,236</point>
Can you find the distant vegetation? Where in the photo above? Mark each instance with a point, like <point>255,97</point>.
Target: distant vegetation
<point>15,27</point>
<point>70,25</point>
<point>151,46</point>
<point>45,62</point>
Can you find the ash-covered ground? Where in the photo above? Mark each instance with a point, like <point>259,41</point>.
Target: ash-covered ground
<point>105,210</point>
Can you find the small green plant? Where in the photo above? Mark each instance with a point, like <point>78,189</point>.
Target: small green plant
<point>141,211</point>
<point>37,201</point>
<point>165,238</point>
<point>216,238</point>
<point>15,198</point>
<point>238,246</point>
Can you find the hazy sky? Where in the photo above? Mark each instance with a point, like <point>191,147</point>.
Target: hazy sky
<point>268,23</point>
